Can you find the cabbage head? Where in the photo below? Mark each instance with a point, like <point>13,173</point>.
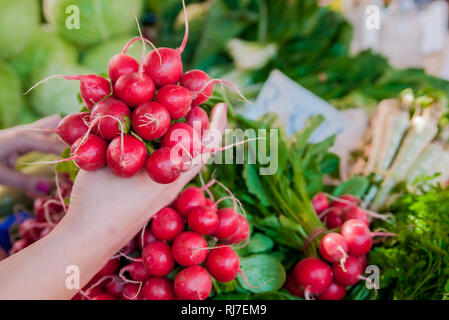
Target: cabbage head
<point>44,46</point>
<point>11,98</point>
<point>89,22</point>
<point>18,20</point>
<point>56,95</point>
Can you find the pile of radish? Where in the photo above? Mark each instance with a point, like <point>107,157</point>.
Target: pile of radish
<point>342,249</point>
<point>146,115</point>
<point>48,211</point>
<point>175,255</point>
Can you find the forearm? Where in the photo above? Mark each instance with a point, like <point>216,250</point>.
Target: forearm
<point>39,271</point>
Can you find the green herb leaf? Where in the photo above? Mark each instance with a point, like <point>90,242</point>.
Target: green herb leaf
<point>260,243</point>
<point>356,186</point>
<point>263,272</point>
<point>67,166</point>
<point>254,184</point>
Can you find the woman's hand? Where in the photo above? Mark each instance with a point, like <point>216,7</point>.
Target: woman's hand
<point>120,207</point>
<point>105,213</point>
<point>19,140</point>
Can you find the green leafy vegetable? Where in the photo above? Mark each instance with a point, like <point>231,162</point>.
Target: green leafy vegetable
<point>11,99</point>
<point>18,20</point>
<point>67,166</point>
<point>260,243</point>
<point>263,272</point>
<point>99,20</point>
<point>356,186</point>
<point>415,265</point>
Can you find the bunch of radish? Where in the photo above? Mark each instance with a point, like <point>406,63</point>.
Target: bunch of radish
<point>146,115</point>
<point>176,255</point>
<point>48,211</point>
<point>343,251</point>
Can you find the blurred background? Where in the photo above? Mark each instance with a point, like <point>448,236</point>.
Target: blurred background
<point>352,53</point>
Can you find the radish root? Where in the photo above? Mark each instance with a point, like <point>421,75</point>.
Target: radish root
<point>186,32</point>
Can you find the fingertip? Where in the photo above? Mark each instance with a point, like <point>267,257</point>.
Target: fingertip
<point>219,117</point>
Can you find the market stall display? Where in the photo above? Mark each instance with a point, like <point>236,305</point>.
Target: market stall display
<point>311,228</point>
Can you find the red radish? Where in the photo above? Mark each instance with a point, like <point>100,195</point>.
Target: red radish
<point>48,209</point>
<point>130,246</point>
<point>320,202</point>
<point>357,236</point>
<point>18,246</point>
<point>189,248</point>
<point>351,273</point>
<point>333,247</point>
<point>313,274</point>
<point>148,238</point>
<point>45,231</point>
<point>158,258</point>
<point>202,220</point>
<point>128,159</point>
<point>77,297</point>
<point>150,120</point>
<point>242,232</point>
<point>191,197</point>
<point>137,271</point>
<point>132,291</point>
<point>211,204</point>
<point>333,292</point>
<point>157,288</point>
<point>134,88</point>
<point>195,80</point>
<point>193,283</point>
<point>42,204</point>
<point>363,262</point>
<point>227,223</point>
<point>93,88</point>
<point>347,200</point>
<point>121,64</point>
<point>332,219</point>
<point>165,66</point>
<point>165,72</point>
<point>167,224</point>
<point>104,296</point>
<point>89,152</point>
<point>114,286</point>
<point>223,264</point>
<point>110,268</point>
<point>291,286</point>
<point>30,230</point>
<point>91,292</point>
<point>176,99</point>
<point>164,166</point>
<point>73,126</point>
<point>182,137</point>
<point>354,212</point>
<point>198,119</point>
<point>106,116</point>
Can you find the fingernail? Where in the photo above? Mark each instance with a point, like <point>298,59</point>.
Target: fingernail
<point>43,187</point>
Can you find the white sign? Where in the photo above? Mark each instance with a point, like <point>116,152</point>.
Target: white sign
<point>294,104</point>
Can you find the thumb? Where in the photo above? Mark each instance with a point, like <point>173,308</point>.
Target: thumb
<point>213,137</point>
